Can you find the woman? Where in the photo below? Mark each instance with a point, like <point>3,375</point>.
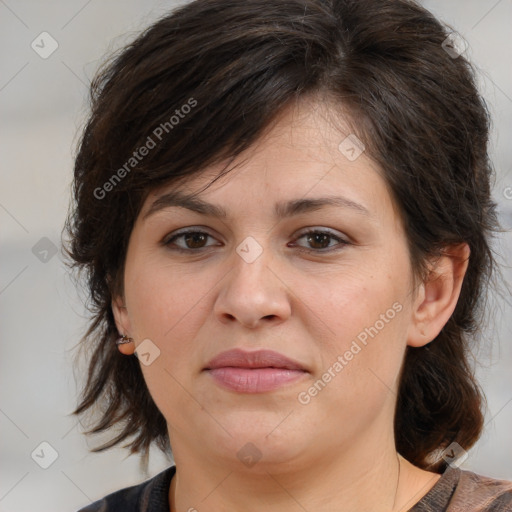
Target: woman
<point>284,212</point>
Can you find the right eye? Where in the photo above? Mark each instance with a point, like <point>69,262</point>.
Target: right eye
<point>189,241</point>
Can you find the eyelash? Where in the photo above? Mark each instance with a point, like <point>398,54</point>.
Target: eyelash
<point>341,241</point>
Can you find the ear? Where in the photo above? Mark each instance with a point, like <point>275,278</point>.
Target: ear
<point>438,295</point>
<point>123,324</point>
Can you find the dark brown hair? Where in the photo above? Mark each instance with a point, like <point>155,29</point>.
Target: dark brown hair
<point>235,65</point>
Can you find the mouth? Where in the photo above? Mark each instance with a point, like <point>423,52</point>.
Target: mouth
<point>254,372</point>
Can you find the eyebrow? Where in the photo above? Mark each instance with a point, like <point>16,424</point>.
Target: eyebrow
<point>281,210</point>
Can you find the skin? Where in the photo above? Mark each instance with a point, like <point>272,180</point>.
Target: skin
<point>337,452</point>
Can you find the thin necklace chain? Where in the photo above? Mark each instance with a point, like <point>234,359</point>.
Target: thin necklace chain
<point>397,481</point>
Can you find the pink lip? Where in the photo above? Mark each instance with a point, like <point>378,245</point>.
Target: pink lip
<point>253,372</point>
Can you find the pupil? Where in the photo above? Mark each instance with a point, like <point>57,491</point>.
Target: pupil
<point>194,240</point>
<point>319,238</point>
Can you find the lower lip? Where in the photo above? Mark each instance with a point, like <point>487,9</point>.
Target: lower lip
<point>254,380</point>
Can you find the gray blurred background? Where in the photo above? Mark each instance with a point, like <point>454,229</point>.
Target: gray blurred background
<point>43,102</point>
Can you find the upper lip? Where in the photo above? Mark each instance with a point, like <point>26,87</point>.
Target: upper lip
<point>257,359</point>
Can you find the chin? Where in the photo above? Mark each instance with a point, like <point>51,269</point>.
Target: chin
<point>255,447</point>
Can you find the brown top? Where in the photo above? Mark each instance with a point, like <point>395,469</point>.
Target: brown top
<point>463,491</point>
<point>455,491</point>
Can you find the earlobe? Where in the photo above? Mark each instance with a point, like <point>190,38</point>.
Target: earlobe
<point>125,345</point>
<point>438,295</point>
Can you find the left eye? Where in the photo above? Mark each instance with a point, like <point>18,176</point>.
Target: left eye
<point>321,240</point>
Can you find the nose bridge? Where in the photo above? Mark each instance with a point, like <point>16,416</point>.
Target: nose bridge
<point>251,290</point>
<point>251,264</point>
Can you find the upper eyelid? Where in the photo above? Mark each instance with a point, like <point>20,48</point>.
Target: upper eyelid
<point>302,231</point>
<point>186,231</point>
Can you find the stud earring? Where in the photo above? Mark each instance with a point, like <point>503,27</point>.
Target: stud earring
<point>123,339</point>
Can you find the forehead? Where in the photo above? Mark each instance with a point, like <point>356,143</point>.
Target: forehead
<point>308,150</point>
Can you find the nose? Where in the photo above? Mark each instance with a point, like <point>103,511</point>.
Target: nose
<point>253,293</point>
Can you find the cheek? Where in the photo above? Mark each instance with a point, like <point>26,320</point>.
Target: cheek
<point>355,298</point>
<point>162,300</point>
<point>365,312</point>
<point>168,306</point>
<point>360,360</point>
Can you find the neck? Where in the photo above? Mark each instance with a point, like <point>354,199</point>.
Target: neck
<point>378,480</point>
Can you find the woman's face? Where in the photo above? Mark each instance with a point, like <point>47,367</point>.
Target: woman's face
<point>337,301</point>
